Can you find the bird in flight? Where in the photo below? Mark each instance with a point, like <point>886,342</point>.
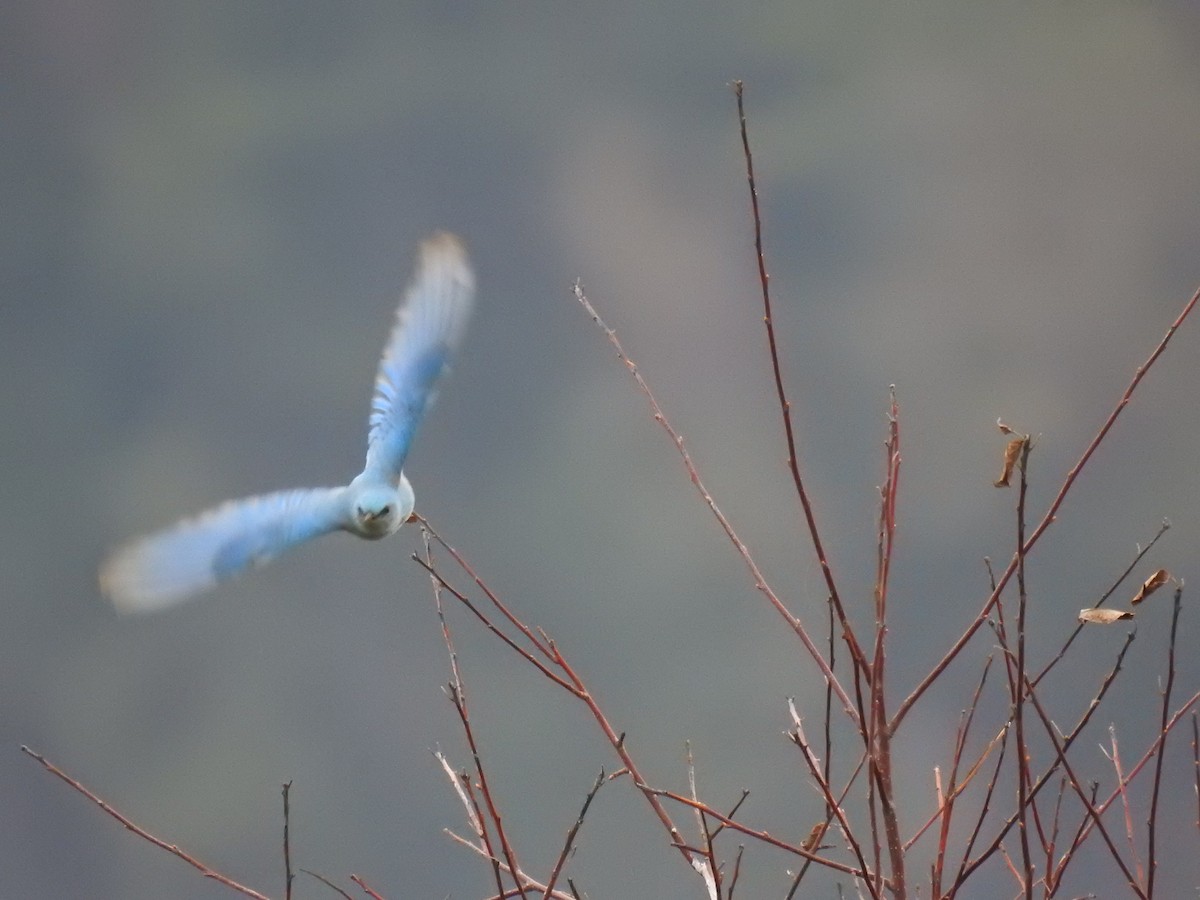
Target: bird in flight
<point>196,554</point>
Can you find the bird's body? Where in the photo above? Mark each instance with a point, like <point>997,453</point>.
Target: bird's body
<point>198,553</point>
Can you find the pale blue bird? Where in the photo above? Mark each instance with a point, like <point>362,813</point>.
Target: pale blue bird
<point>198,553</point>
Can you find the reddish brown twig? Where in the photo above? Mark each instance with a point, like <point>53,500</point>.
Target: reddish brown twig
<point>1155,747</point>
<point>440,584</point>
<point>965,868</point>
<point>858,657</point>
<point>818,833</point>
<point>479,582</point>
<point>559,671</point>
<point>1024,801</point>
<point>362,884</point>
<point>206,871</point>
<point>760,581</point>
<point>531,883</point>
<point>460,705</point>
<point>325,881</point>
<point>1076,842</point>
<point>968,867</point>
<point>732,812</point>
<point>287,846</point>
<point>617,741</point>
<point>1089,820</point>
<point>712,872</point>
<point>1120,579</point>
<point>1152,822</point>
<point>880,744</point>
<point>1049,878</point>
<point>1114,756</point>
<point>827,706</point>
<point>945,806</point>
<point>1090,809</point>
<point>457,694</point>
<point>737,871</point>
<point>570,841</point>
<point>872,880</point>
<point>1196,762</point>
<point>762,836</point>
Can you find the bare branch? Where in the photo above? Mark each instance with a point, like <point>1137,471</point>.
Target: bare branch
<point>570,841</point>
<point>206,871</point>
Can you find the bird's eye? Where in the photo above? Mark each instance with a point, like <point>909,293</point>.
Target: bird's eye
<point>386,511</point>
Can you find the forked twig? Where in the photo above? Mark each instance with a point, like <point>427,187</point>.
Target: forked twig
<point>1094,813</point>
<point>737,871</point>
<point>796,734</point>
<point>969,866</point>
<point>880,743</point>
<point>560,672</point>
<point>945,807</point>
<point>1120,579</point>
<point>822,827</point>
<point>532,883</point>
<point>460,705</point>
<point>761,836</point>
<point>570,841</point>
<point>1049,517</point>
<point>1089,821</point>
<point>457,695</point>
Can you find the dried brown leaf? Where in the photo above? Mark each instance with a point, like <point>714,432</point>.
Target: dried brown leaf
<point>1151,584</point>
<point>1012,453</point>
<point>1104,616</point>
<point>811,842</point>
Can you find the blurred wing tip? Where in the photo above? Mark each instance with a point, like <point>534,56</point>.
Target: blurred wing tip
<point>132,590</point>
<point>444,242</point>
<point>119,588</point>
<point>445,250</point>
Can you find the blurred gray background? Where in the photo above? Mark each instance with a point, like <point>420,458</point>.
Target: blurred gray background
<point>207,213</point>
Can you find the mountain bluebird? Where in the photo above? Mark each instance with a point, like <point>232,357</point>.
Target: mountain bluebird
<point>198,553</point>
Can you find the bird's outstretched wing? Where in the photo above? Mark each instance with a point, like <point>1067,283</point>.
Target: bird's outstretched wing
<point>429,325</point>
<point>168,567</point>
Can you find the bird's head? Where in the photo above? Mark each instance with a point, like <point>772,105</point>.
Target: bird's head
<point>380,509</point>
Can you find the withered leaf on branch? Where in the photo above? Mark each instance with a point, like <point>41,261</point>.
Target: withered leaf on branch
<point>1151,584</point>
<point>1012,453</point>
<point>1104,616</point>
<point>812,842</point>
